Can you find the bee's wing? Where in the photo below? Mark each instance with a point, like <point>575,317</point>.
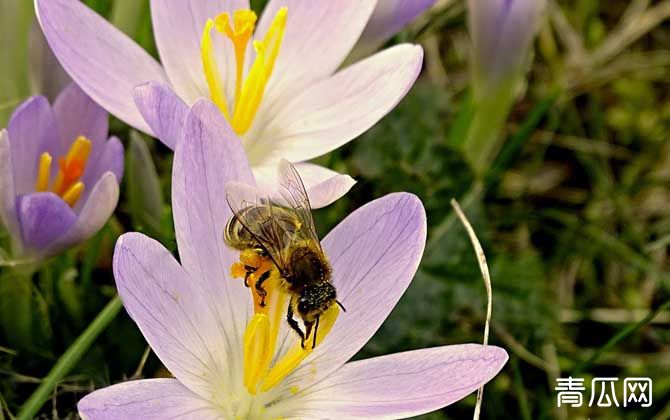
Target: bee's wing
<point>294,196</point>
<point>266,225</point>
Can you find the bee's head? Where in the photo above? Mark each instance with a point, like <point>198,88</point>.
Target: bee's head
<point>315,300</point>
<point>307,266</point>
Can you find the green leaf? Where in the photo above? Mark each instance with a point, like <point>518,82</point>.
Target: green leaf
<point>145,198</point>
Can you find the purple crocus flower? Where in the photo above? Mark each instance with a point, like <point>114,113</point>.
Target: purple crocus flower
<point>59,173</point>
<point>199,320</point>
<point>277,83</point>
<point>502,32</point>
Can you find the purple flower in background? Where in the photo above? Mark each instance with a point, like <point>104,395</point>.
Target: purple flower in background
<point>389,18</point>
<point>197,318</point>
<point>59,173</point>
<point>276,78</point>
<point>502,32</point>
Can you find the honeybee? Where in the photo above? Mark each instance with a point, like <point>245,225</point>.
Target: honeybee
<point>282,229</point>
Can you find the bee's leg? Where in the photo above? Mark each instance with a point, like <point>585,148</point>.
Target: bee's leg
<point>294,324</point>
<point>308,331</point>
<point>259,286</point>
<point>250,271</point>
<point>316,331</point>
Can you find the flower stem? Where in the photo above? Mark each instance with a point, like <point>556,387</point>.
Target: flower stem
<point>67,361</point>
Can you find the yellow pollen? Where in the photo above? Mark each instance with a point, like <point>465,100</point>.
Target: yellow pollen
<point>260,337</point>
<point>248,92</point>
<point>43,172</point>
<point>71,167</point>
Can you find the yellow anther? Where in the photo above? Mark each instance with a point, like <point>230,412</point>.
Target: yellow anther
<point>211,70</point>
<point>249,92</point>
<point>256,351</point>
<point>71,196</point>
<point>297,354</point>
<point>43,172</point>
<point>254,86</point>
<point>244,23</point>
<point>72,166</point>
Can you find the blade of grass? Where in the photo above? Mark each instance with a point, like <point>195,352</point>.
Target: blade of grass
<point>620,336</point>
<point>69,359</point>
<point>483,266</point>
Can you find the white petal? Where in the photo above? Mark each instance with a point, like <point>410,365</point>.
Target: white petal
<point>337,110</point>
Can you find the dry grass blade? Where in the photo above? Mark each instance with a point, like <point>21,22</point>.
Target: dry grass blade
<point>483,266</point>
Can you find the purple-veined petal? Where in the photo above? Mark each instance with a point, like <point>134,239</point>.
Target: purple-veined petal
<point>109,158</point>
<point>163,110</point>
<point>93,212</point>
<point>32,130</point>
<point>172,311</point>
<point>402,385</point>
<point>8,217</point>
<point>207,157</point>
<point>375,253</point>
<point>77,115</point>
<point>148,399</point>
<point>44,217</point>
<point>318,37</point>
<point>389,18</point>
<point>336,110</point>
<point>178,28</point>
<point>105,62</point>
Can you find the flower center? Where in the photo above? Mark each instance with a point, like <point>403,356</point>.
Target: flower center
<point>248,91</point>
<point>260,337</point>
<point>67,184</point>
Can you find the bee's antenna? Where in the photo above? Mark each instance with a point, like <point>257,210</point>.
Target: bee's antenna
<point>340,305</point>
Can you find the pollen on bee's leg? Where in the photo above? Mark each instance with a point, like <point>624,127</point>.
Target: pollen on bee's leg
<point>238,270</point>
<point>297,353</point>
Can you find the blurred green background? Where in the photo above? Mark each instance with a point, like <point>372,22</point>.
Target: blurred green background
<point>574,216</point>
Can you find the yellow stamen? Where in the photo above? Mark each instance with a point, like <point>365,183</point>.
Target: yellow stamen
<point>244,22</point>
<point>73,193</point>
<point>72,165</point>
<point>249,92</point>
<point>259,75</point>
<point>43,172</point>
<point>211,70</point>
<point>297,354</point>
<point>256,350</point>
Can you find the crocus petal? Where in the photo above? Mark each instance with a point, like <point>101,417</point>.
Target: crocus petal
<point>318,37</point>
<point>8,216</point>
<point>389,18</point>
<point>78,115</point>
<point>207,157</point>
<point>501,32</point>
<point>148,399</point>
<point>43,218</point>
<point>100,58</point>
<point>178,28</point>
<point>32,130</point>
<point>374,253</point>
<point>94,212</point>
<point>172,311</point>
<point>403,385</point>
<point>336,110</point>
<point>109,159</point>
<point>162,109</point>
<point>324,186</point>
<point>46,74</point>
